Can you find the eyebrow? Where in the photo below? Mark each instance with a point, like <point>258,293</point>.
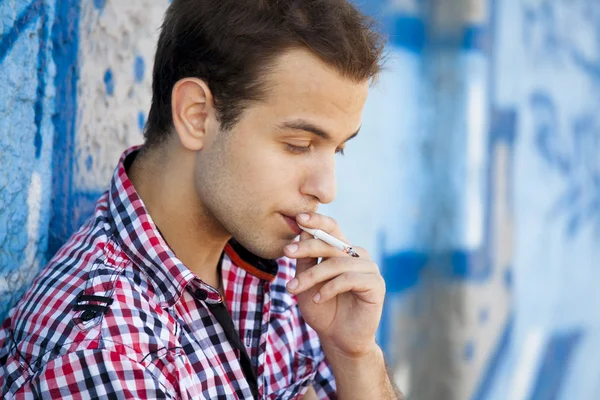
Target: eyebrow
<point>302,125</point>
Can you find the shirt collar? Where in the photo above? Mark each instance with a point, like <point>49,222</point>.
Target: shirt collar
<point>142,242</point>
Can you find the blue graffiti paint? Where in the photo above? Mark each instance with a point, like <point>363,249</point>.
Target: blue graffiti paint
<point>557,359</point>
<point>11,299</point>
<point>89,163</point>
<point>475,38</point>
<point>589,67</point>
<point>403,270</point>
<point>29,15</point>
<point>508,278</point>
<point>483,316</point>
<point>407,32</point>
<point>546,131</point>
<point>141,120</point>
<point>469,351</point>
<point>26,36</point>
<point>139,69</point>
<point>32,13</point>
<point>410,32</point>
<point>65,39</point>
<point>41,88</point>
<point>493,366</point>
<point>580,158</point>
<point>99,4</point>
<point>109,82</point>
<point>540,21</point>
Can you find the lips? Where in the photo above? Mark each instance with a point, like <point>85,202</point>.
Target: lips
<point>292,224</point>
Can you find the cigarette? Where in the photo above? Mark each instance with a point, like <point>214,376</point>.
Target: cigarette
<point>330,240</point>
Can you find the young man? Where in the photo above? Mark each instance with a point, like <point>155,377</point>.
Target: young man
<point>177,286</point>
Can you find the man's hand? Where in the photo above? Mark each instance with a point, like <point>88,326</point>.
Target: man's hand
<point>341,298</point>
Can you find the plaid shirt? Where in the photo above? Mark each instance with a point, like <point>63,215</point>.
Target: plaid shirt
<point>115,314</point>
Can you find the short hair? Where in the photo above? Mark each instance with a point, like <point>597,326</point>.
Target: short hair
<point>230,44</point>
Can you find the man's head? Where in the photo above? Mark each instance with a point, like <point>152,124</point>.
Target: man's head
<point>261,94</point>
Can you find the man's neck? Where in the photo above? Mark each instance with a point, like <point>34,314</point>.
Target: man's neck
<point>165,183</point>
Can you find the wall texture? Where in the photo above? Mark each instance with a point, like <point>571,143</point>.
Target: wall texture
<point>27,107</point>
<point>547,73</point>
<point>478,167</point>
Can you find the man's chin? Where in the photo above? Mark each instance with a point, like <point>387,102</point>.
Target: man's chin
<point>270,252</point>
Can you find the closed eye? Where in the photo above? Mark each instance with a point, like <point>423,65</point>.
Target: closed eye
<point>297,149</point>
<point>305,149</point>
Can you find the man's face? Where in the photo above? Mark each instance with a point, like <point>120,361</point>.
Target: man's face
<point>255,179</point>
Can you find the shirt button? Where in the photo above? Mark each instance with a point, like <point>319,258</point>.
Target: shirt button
<point>88,315</point>
<point>201,294</point>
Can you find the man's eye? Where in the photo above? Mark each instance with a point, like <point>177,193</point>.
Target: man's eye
<point>298,149</point>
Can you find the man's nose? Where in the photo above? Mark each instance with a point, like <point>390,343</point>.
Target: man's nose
<point>320,182</point>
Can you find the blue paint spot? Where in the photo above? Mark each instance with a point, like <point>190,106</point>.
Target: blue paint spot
<point>109,82</point>
<point>141,120</point>
<point>483,316</point>
<point>99,4</point>
<point>139,69</point>
<point>89,163</point>
<point>408,32</point>
<point>508,278</point>
<point>469,351</point>
<point>402,270</point>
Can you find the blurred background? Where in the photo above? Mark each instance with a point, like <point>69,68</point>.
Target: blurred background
<point>478,170</point>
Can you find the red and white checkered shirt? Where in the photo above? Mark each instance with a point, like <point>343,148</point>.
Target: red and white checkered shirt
<point>115,314</point>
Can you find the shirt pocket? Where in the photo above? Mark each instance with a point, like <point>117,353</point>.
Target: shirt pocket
<point>303,372</point>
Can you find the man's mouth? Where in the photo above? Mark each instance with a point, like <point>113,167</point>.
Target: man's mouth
<point>292,224</point>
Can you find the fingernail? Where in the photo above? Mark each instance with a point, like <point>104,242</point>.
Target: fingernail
<point>293,284</point>
<point>303,217</point>
<point>292,248</point>
<point>317,297</point>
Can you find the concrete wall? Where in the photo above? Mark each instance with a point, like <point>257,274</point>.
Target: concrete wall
<point>74,92</point>
<point>478,171</point>
<point>547,73</point>
<point>438,159</point>
<point>27,131</point>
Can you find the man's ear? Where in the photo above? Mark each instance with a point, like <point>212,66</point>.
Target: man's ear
<point>191,105</point>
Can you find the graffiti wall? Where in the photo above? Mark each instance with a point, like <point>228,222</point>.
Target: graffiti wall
<point>74,92</point>
<point>27,107</point>
<point>478,163</point>
<point>547,74</point>
<point>436,205</point>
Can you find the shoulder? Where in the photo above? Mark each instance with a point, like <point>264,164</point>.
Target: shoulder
<point>89,297</point>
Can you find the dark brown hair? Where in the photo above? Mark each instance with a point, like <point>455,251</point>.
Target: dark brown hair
<point>230,44</point>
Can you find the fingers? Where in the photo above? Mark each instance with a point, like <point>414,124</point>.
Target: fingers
<point>329,270</point>
<point>368,287</point>
<point>302,264</point>
<point>322,222</point>
<point>308,247</point>
<point>311,248</point>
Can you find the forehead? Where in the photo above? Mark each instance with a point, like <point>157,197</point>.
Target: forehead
<point>302,86</point>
